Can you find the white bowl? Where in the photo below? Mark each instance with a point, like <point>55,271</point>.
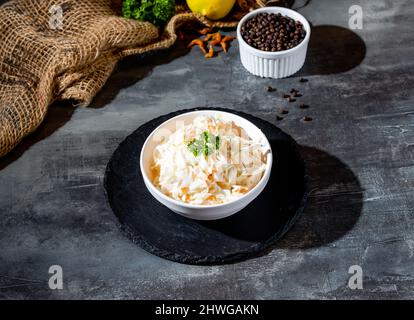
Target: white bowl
<point>202,212</point>
<point>278,64</point>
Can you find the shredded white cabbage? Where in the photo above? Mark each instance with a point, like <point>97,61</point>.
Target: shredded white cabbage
<point>208,176</point>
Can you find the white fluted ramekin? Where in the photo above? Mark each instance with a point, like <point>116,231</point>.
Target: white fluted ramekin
<point>278,64</point>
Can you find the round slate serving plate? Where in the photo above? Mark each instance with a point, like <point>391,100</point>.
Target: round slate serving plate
<point>244,235</point>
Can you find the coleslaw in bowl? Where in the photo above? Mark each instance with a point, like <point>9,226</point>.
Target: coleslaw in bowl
<point>206,164</point>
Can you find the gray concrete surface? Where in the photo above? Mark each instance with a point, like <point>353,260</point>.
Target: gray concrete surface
<point>360,147</point>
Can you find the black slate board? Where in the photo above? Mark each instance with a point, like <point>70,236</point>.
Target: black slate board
<point>247,234</point>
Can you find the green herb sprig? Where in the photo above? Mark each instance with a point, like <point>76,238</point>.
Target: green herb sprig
<point>158,12</point>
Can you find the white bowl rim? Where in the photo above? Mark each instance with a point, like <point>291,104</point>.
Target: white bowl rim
<point>283,11</point>
<point>203,206</point>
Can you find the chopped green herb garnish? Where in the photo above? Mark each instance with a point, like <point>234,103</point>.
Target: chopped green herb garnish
<point>194,147</point>
<point>217,142</point>
<point>206,144</point>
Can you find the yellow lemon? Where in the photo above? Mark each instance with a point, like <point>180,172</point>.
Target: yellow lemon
<point>212,9</point>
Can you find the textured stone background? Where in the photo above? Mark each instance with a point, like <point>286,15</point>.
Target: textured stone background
<point>359,148</point>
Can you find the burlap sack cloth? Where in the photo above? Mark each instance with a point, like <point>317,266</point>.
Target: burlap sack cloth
<point>39,64</point>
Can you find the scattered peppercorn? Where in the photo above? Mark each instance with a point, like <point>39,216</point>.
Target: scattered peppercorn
<point>307,119</point>
<point>303,106</point>
<point>272,32</point>
<point>290,99</point>
<point>303,80</point>
<point>295,93</point>
<point>279,118</point>
<point>282,110</point>
<point>270,89</point>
